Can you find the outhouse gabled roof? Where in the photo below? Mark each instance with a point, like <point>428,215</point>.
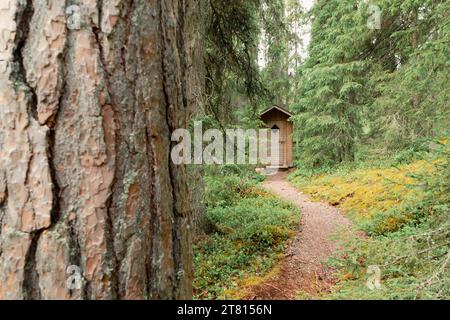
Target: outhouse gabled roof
<point>286,112</point>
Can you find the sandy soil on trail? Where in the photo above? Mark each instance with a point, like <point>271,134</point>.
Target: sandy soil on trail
<point>302,269</point>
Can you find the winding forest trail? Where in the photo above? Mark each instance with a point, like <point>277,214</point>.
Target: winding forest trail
<point>302,269</point>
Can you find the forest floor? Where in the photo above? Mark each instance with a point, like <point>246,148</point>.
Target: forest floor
<point>302,270</point>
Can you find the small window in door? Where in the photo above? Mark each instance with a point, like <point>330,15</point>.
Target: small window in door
<point>275,128</point>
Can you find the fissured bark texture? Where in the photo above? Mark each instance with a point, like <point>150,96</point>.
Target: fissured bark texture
<point>90,92</point>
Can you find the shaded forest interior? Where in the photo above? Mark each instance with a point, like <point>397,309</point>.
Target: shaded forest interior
<point>93,207</point>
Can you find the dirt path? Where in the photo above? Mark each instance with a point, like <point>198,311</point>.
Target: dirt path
<point>302,269</point>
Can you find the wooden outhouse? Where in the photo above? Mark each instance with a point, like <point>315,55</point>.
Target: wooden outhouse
<point>277,118</point>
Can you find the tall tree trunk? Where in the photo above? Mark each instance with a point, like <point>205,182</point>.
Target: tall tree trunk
<point>90,92</point>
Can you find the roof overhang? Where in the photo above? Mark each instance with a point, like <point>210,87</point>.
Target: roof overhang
<point>286,112</point>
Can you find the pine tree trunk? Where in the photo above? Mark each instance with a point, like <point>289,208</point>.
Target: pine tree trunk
<point>89,96</point>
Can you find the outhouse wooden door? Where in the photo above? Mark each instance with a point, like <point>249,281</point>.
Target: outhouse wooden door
<point>276,118</point>
<point>279,150</point>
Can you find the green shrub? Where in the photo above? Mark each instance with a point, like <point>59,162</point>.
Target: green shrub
<point>225,191</point>
<point>259,222</point>
<point>252,229</point>
<point>226,185</point>
<point>411,246</point>
<point>412,152</point>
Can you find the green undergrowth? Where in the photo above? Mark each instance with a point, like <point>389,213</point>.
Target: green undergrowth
<point>405,212</point>
<point>251,228</point>
<point>378,200</point>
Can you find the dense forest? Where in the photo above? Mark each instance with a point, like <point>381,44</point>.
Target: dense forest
<point>371,117</point>
<point>93,207</point>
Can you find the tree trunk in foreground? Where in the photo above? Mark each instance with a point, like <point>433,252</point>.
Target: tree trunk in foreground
<point>90,92</point>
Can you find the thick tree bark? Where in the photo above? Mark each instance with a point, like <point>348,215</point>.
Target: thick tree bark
<point>90,92</point>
